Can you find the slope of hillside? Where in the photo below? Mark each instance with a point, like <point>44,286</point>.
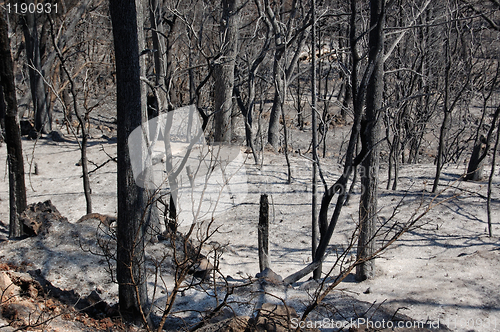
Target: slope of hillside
<point>444,270</point>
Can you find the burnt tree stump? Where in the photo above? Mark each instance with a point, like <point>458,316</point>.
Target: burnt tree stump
<point>264,233</point>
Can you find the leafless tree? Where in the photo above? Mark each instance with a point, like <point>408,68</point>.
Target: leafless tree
<point>455,82</point>
<point>290,28</point>
<point>17,188</point>
<point>314,141</point>
<point>224,70</point>
<point>251,61</point>
<point>39,94</point>
<point>370,137</point>
<point>131,274</point>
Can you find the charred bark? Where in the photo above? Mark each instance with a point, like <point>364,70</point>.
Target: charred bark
<point>224,70</point>
<point>131,272</point>
<point>43,116</point>
<point>370,138</point>
<point>17,188</point>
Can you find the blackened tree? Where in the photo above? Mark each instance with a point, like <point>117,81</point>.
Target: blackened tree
<point>17,188</point>
<point>131,198</point>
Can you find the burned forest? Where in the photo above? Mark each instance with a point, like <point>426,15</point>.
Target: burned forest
<point>249,165</point>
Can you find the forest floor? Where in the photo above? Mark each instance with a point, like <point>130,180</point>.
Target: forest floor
<point>445,271</point>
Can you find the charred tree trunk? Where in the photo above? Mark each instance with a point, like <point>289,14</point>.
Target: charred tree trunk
<point>345,92</point>
<point>247,109</point>
<point>300,110</point>
<point>490,181</point>
<point>66,99</point>
<point>317,228</point>
<point>43,117</point>
<point>17,188</point>
<point>455,84</point>
<point>284,61</point>
<point>273,133</point>
<point>370,137</point>
<point>164,96</point>
<point>224,70</point>
<point>172,100</point>
<point>131,272</point>
<point>351,161</point>
<point>475,167</point>
<point>156,14</point>
<point>480,150</point>
<point>2,116</point>
<point>443,133</point>
<point>83,123</point>
<point>264,233</point>
<point>151,217</point>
